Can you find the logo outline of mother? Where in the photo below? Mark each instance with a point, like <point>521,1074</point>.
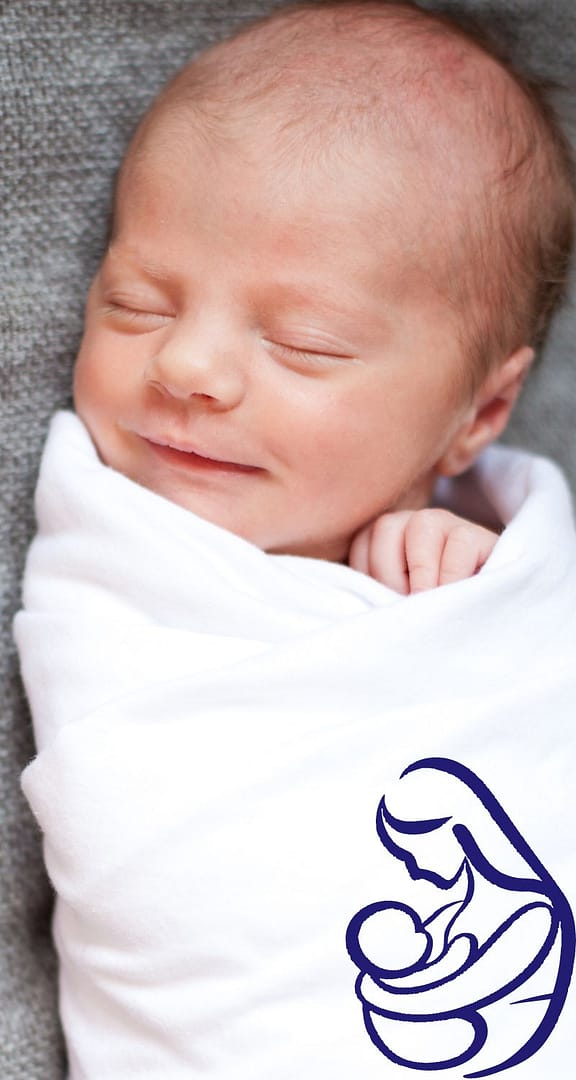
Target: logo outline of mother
<point>503,925</point>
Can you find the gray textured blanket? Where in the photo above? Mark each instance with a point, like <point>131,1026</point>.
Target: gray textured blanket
<point>74,77</point>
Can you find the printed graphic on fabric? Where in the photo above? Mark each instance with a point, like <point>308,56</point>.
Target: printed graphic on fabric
<point>471,965</point>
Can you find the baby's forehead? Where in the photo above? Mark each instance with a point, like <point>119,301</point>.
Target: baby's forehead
<point>329,79</point>
<point>328,85</point>
<point>361,78</point>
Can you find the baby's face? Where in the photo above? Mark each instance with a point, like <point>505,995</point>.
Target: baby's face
<point>261,346</point>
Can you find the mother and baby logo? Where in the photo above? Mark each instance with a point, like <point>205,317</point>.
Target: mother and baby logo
<point>469,969</point>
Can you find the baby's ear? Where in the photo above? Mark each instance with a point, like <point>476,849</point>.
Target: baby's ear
<point>488,414</point>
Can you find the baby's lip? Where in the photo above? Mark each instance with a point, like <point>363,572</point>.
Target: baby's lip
<point>184,453</point>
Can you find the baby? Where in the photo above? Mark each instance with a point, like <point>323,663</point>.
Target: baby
<point>295,328</point>
<point>337,240</point>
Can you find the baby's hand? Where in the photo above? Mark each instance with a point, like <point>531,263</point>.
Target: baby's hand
<point>414,550</point>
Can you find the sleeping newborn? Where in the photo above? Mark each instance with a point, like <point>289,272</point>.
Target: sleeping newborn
<point>337,239</point>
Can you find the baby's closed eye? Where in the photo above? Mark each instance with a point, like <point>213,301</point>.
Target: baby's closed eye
<point>304,357</point>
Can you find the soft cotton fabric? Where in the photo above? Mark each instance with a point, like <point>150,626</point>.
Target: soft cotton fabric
<point>301,826</point>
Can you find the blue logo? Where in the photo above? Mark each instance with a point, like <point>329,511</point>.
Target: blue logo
<point>470,964</point>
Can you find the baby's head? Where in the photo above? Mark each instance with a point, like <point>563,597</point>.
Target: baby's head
<point>337,238</point>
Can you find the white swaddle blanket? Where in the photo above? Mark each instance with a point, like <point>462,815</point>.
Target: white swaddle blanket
<point>301,827</point>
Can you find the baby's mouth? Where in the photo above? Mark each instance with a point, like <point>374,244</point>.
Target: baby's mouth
<point>190,458</point>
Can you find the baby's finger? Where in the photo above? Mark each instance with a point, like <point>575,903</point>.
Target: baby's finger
<point>358,554</point>
<point>386,552</point>
<point>424,542</point>
<point>466,550</point>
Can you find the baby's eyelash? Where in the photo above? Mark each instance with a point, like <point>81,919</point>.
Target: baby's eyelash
<point>133,314</point>
<point>310,357</point>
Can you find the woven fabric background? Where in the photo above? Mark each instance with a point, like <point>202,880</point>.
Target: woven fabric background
<point>74,77</point>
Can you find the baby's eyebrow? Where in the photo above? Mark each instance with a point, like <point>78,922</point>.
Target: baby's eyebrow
<point>133,260</point>
<point>312,294</point>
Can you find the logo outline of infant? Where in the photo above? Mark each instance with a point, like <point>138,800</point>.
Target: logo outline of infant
<point>503,935</point>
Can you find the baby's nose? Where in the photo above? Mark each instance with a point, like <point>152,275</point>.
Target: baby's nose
<point>184,368</point>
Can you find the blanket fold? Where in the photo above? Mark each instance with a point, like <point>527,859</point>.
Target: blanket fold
<point>300,826</point>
